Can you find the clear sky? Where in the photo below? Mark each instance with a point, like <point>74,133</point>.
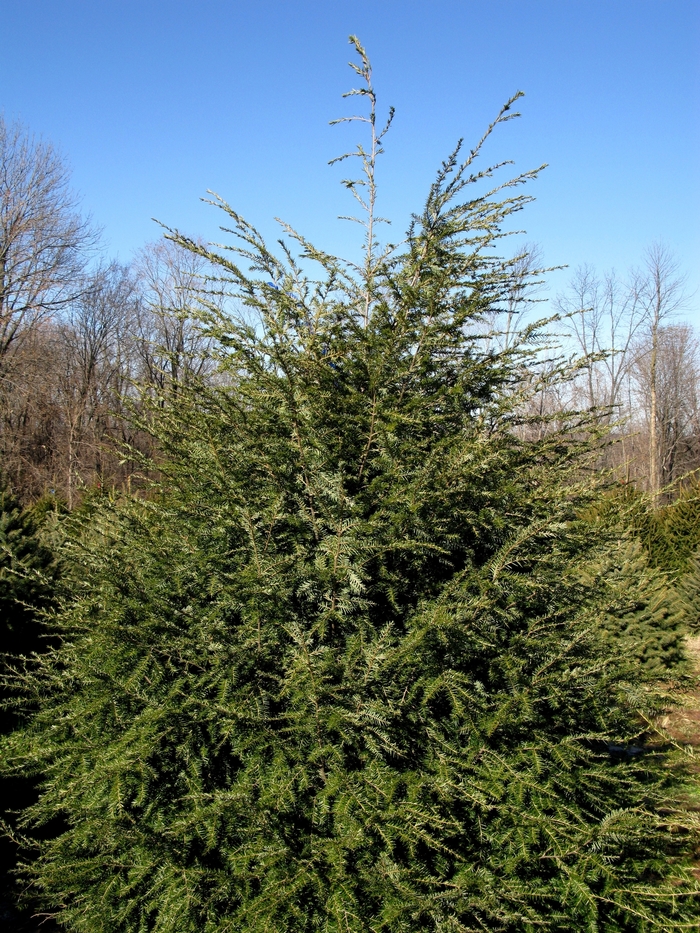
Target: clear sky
<point>155,101</point>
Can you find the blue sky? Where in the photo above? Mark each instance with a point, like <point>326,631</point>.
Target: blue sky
<point>154,102</point>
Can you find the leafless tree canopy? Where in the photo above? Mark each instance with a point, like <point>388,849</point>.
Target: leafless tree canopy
<point>643,369</point>
<point>44,242</point>
<point>77,337</point>
<point>172,348</point>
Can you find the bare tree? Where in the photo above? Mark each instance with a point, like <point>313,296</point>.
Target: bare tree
<point>603,317</point>
<point>73,343</point>
<point>43,238</point>
<point>667,399</point>
<point>658,289</point>
<point>96,345</point>
<point>30,419</point>
<point>618,325</point>
<point>62,408</point>
<point>173,348</point>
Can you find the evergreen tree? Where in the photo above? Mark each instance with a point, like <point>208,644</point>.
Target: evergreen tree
<point>347,668</point>
<point>27,574</point>
<point>669,534</point>
<point>690,590</point>
<point>26,567</point>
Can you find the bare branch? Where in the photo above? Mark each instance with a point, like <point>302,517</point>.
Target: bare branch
<point>44,242</point>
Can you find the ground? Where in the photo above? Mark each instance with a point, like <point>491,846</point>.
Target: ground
<point>682,725</point>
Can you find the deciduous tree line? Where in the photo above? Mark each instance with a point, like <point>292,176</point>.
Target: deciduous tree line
<point>78,334</point>
<point>645,367</point>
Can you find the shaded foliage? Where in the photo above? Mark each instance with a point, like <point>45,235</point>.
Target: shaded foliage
<point>28,573</point>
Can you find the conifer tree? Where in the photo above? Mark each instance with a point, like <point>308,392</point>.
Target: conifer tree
<point>669,534</point>
<point>27,573</point>
<point>26,568</point>
<point>677,540</point>
<point>346,669</point>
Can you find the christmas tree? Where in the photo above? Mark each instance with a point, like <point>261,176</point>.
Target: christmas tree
<point>350,667</point>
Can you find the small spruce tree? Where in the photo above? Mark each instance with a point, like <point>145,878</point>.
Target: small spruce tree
<point>349,667</point>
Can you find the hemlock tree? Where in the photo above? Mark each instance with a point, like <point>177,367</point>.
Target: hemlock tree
<point>345,670</point>
<point>27,574</point>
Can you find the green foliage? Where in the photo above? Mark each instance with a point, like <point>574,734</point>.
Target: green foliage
<point>648,616</point>
<point>24,565</point>
<point>350,668</point>
<point>671,534</point>
<point>27,575</point>
<point>690,590</point>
